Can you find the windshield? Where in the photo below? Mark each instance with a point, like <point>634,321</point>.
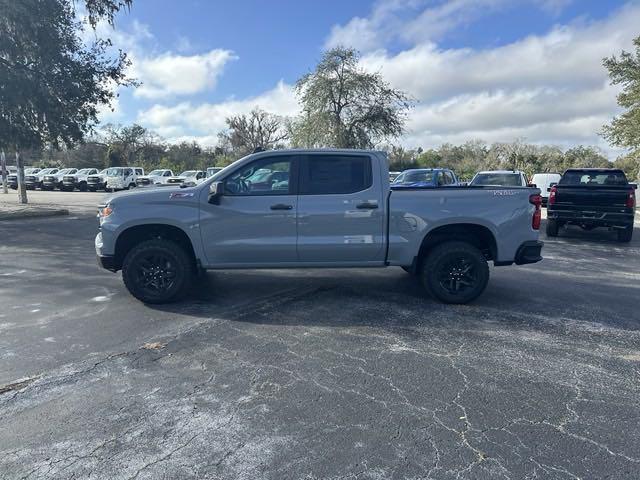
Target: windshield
<point>212,171</point>
<point>189,173</point>
<point>417,176</point>
<point>497,179</point>
<point>156,173</point>
<point>585,177</point>
<point>66,170</point>
<point>115,171</point>
<point>84,171</point>
<point>47,170</point>
<point>31,170</point>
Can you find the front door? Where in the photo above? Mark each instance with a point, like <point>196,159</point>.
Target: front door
<point>340,210</point>
<point>255,221</point>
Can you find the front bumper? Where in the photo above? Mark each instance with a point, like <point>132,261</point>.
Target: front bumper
<point>108,262</point>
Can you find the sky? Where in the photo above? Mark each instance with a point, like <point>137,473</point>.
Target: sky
<point>495,70</point>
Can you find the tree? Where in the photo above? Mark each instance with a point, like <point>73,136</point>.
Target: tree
<point>624,130</point>
<point>124,144</point>
<point>345,106</point>
<point>247,133</point>
<point>52,83</point>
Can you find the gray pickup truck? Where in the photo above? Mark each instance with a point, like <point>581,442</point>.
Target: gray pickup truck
<point>316,208</point>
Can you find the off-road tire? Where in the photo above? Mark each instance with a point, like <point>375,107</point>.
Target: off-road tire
<point>442,262</point>
<point>552,228</point>
<point>176,256</point>
<point>625,235</point>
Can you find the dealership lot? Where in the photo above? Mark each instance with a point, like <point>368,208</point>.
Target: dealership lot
<point>316,374</point>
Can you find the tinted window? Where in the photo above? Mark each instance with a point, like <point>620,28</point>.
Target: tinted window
<point>334,174</point>
<point>267,176</point>
<point>593,178</point>
<point>498,179</point>
<point>414,176</point>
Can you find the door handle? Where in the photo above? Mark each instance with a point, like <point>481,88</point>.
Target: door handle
<point>281,206</point>
<point>367,206</point>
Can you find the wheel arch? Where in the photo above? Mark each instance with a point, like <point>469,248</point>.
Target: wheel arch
<point>137,234</point>
<point>475,234</point>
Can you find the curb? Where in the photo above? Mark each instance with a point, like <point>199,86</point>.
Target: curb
<point>29,213</point>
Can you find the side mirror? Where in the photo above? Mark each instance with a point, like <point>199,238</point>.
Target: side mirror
<point>634,186</point>
<point>215,192</point>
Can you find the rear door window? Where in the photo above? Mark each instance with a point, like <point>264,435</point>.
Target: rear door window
<point>335,174</point>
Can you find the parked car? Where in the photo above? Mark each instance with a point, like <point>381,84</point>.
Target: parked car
<point>543,181</point>
<point>499,178</point>
<point>211,171</point>
<point>340,212</point>
<point>425,177</point>
<point>591,198</point>
<point>155,177</point>
<point>393,176</point>
<point>52,181</point>
<point>12,180</point>
<point>97,181</point>
<point>34,180</point>
<point>120,178</point>
<point>188,177</point>
<point>77,180</point>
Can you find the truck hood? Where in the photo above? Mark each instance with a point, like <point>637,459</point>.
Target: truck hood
<point>144,195</point>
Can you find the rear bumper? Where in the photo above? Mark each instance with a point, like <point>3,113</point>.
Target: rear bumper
<point>594,218</point>
<point>529,252</point>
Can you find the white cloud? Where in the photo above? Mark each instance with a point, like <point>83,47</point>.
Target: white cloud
<point>170,74</point>
<point>186,121</point>
<point>550,88</point>
<point>422,20</point>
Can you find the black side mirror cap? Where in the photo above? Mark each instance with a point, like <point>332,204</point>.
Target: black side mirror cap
<point>216,190</point>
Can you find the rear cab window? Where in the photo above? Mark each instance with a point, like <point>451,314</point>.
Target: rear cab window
<point>593,178</point>
<point>335,174</point>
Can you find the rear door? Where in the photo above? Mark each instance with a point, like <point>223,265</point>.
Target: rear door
<point>340,209</point>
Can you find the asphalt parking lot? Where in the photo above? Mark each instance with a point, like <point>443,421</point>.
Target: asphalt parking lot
<point>316,373</point>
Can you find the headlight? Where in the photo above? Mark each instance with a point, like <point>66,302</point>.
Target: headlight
<point>104,211</point>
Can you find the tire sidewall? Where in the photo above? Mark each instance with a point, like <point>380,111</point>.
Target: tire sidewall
<point>440,256</point>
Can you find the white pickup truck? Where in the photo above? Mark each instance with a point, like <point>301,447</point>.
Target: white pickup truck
<point>316,208</point>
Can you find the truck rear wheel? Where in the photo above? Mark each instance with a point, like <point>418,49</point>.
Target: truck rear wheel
<point>625,235</point>
<point>455,272</point>
<point>158,271</point>
<point>552,228</point>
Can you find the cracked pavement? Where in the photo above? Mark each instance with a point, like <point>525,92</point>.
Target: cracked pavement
<point>318,374</point>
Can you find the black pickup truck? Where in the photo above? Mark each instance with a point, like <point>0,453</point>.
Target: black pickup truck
<point>590,198</point>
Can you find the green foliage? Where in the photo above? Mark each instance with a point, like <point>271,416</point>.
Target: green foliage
<point>624,130</point>
<point>474,156</point>
<point>346,107</point>
<point>52,83</point>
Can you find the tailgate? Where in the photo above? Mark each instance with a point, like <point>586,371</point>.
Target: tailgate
<point>591,196</point>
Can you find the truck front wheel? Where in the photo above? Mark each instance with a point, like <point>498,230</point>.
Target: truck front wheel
<point>158,271</point>
<point>455,272</point>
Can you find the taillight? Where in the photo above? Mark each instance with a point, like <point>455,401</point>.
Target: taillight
<point>631,199</point>
<point>552,195</point>
<point>537,214</point>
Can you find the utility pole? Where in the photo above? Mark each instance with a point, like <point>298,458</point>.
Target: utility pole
<point>22,189</point>
<point>3,167</point>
